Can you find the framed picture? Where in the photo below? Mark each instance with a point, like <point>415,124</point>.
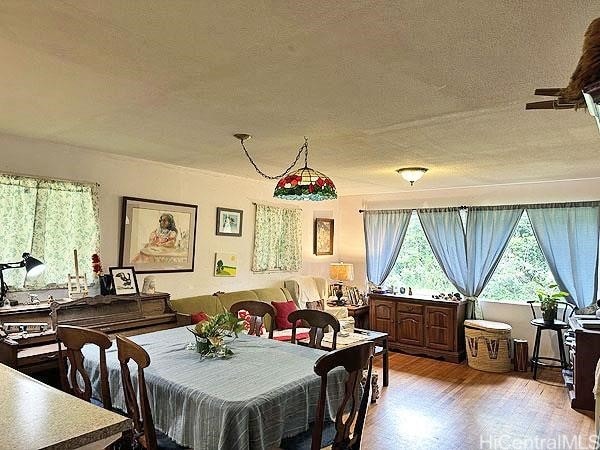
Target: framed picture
<point>157,236</point>
<point>124,280</point>
<point>323,237</point>
<point>225,264</point>
<point>229,222</point>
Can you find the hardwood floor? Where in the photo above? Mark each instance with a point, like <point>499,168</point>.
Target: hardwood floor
<point>431,404</point>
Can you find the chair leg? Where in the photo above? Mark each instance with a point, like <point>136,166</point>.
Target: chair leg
<point>536,352</point>
<point>561,349</point>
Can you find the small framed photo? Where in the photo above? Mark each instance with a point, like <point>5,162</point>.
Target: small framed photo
<point>124,280</point>
<point>225,264</point>
<point>229,222</point>
<point>323,237</point>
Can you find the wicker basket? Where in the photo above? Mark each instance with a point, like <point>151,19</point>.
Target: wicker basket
<point>488,345</point>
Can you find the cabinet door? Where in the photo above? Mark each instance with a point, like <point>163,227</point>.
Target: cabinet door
<point>439,327</point>
<point>410,329</point>
<point>383,317</point>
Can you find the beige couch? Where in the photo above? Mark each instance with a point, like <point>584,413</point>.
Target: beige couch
<point>222,301</point>
<point>305,289</point>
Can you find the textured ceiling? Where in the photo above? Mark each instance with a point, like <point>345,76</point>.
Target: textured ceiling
<point>374,85</point>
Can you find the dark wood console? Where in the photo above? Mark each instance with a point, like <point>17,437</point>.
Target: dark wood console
<point>123,314</point>
<point>420,326</point>
<point>584,353</point>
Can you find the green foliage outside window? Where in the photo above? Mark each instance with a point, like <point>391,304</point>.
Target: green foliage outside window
<point>519,274</point>
<point>522,268</point>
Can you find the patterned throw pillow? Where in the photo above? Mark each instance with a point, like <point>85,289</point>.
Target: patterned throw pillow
<point>317,304</point>
<point>243,314</point>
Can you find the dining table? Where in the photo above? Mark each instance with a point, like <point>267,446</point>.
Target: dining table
<point>266,391</point>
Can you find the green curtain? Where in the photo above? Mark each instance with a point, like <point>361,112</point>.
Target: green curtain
<point>277,239</point>
<point>49,219</point>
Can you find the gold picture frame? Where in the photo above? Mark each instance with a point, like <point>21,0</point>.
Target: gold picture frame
<point>323,237</point>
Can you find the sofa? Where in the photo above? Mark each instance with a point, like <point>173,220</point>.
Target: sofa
<point>303,290</point>
<point>221,301</point>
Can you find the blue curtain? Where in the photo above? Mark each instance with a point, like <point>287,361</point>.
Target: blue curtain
<point>469,257</point>
<point>488,233</point>
<point>384,234</point>
<point>569,236</point>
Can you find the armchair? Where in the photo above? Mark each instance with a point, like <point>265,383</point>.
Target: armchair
<point>305,289</point>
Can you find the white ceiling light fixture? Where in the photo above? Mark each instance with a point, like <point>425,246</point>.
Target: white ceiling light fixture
<point>412,174</point>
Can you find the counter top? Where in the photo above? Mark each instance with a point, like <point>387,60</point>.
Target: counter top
<point>37,416</point>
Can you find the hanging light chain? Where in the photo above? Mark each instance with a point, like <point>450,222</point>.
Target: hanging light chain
<point>276,177</point>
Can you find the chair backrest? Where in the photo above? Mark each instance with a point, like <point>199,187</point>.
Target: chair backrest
<point>318,321</point>
<point>257,311</point>
<point>140,414</point>
<point>566,306</point>
<point>70,362</point>
<point>354,359</point>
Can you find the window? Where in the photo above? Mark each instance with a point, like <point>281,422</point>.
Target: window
<point>49,219</point>
<point>521,269</point>
<point>416,266</point>
<point>277,239</point>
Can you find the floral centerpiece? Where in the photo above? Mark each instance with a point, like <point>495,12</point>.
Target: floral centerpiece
<point>212,332</point>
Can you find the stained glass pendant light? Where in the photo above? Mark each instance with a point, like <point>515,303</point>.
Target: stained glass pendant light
<point>302,184</point>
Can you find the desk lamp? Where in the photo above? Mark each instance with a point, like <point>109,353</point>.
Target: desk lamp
<point>33,267</point>
<point>340,272</point>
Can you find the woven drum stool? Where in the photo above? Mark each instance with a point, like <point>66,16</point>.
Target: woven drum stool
<point>488,345</point>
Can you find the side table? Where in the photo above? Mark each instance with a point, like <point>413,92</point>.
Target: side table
<point>360,314</point>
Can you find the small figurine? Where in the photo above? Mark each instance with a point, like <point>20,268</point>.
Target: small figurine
<point>409,290</point>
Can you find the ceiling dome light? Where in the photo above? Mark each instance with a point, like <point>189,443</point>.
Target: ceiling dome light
<point>412,174</point>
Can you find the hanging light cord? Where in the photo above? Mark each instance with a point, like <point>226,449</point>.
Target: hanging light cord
<point>269,177</point>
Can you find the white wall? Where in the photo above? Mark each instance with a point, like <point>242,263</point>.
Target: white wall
<point>122,176</point>
<point>516,313</point>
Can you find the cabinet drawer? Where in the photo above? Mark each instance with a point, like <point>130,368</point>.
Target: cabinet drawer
<point>409,308</point>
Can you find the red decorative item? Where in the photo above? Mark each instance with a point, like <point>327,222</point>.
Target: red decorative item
<point>198,317</point>
<point>96,264</point>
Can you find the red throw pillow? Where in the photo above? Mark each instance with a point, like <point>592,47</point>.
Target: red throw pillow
<point>282,311</point>
<point>200,316</point>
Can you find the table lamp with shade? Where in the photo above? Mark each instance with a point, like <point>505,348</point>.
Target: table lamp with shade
<point>340,272</point>
<point>33,267</point>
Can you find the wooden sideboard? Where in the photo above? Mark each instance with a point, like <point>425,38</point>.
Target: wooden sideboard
<point>420,326</point>
<point>584,354</point>
<point>123,314</point>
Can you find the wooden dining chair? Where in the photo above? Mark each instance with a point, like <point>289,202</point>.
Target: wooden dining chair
<point>257,311</point>
<point>70,340</point>
<point>346,432</point>
<point>318,321</point>
<point>140,413</point>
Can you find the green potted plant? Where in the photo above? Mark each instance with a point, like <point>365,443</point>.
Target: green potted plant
<point>549,297</point>
<point>210,334</point>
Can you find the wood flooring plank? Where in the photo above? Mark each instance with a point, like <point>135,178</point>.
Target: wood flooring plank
<point>432,404</point>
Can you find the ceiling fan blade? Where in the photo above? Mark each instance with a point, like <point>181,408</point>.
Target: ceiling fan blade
<point>552,92</point>
<point>549,104</point>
